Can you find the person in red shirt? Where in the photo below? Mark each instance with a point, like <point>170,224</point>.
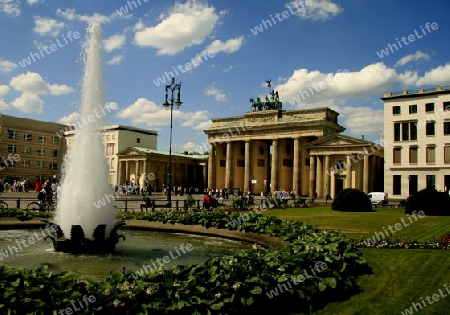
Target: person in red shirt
<point>206,201</point>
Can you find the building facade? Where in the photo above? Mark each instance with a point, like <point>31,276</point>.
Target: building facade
<point>148,166</point>
<point>269,150</point>
<point>117,138</point>
<point>417,140</point>
<point>35,149</point>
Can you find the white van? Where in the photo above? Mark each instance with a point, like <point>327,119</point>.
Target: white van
<point>378,198</point>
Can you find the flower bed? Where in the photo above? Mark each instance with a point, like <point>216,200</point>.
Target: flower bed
<point>227,285</point>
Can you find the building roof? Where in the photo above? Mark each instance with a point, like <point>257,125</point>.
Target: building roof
<point>416,93</point>
<point>7,121</point>
<point>152,151</point>
<point>121,127</point>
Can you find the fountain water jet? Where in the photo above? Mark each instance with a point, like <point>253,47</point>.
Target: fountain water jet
<point>85,169</point>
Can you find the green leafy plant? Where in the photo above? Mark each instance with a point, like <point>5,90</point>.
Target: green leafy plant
<point>351,199</point>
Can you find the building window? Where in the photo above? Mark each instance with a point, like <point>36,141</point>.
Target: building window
<point>396,110</point>
<point>242,151</point>
<point>222,163</point>
<point>53,166</point>
<point>431,153</point>
<point>240,163</point>
<point>446,127</point>
<point>447,154</point>
<point>138,140</point>
<point>446,106</point>
<point>287,162</point>
<point>12,134</point>
<point>430,130</point>
<point>26,163</point>
<point>261,162</point>
<point>405,131</point>
<point>55,153</point>
<point>110,149</point>
<point>11,148</point>
<point>288,149</point>
<point>26,150</point>
<point>429,107</point>
<point>41,151</point>
<point>397,155</point>
<point>55,140</point>
<point>261,150</point>
<point>397,187</point>
<point>340,165</point>
<point>397,132</point>
<point>41,139</point>
<point>27,136</point>
<point>40,164</point>
<point>431,182</point>
<point>413,131</point>
<point>413,155</point>
<point>413,109</point>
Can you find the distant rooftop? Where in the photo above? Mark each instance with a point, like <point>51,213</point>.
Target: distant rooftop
<point>120,127</point>
<point>414,93</point>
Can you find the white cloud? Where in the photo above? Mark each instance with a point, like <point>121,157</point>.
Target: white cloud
<point>47,26</point>
<point>191,146</point>
<point>33,83</point>
<point>418,55</point>
<point>7,66</point>
<point>116,60</point>
<point>71,15</point>
<point>305,88</point>
<point>71,119</point>
<point>436,76</point>
<point>317,10</point>
<point>218,95</point>
<point>360,120</point>
<point>186,25</point>
<point>145,112</point>
<point>28,103</point>
<point>114,42</point>
<point>32,2</point>
<point>10,7</point>
<point>4,89</point>
<point>230,46</point>
<point>203,125</point>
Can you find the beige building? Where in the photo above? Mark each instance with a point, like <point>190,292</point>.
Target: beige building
<point>291,150</point>
<point>117,138</point>
<point>36,148</point>
<point>148,166</point>
<point>417,138</point>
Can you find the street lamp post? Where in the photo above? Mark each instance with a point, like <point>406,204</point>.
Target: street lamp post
<point>172,88</point>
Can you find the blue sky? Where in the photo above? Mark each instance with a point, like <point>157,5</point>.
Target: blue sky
<point>329,48</point>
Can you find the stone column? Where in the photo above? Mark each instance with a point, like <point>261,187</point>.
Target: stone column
<point>274,175</point>
<point>228,166</point>
<point>333,184</point>
<point>295,175</point>
<point>319,172</point>
<point>119,173</point>
<point>366,174</point>
<point>348,167</point>
<point>211,165</point>
<point>327,176</point>
<point>136,180</point>
<point>247,166</point>
<point>127,170</point>
<point>312,175</point>
<point>146,177</point>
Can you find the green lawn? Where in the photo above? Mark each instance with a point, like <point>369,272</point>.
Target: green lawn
<point>400,277</point>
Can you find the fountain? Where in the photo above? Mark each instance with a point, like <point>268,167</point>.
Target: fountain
<point>85,170</point>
